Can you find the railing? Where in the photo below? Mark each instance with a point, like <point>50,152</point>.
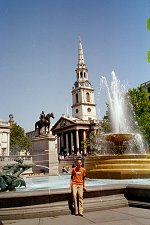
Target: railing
<point>4,124</point>
<point>13,157</point>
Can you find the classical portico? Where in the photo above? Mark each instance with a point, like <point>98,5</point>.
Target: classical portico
<point>70,134</point>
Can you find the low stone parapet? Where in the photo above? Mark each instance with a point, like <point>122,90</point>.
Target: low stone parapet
<point>17,205</point>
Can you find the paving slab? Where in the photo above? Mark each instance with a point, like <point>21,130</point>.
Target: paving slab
<point>117,216</point>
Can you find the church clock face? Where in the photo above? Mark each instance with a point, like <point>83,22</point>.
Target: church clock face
<point>89,109</point>
<point>87,84</point>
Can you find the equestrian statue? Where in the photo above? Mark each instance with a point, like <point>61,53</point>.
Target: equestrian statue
<point>44,122</point>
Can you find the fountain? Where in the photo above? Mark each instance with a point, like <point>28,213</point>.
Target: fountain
<point>49,195</point>
<point>121,154</point>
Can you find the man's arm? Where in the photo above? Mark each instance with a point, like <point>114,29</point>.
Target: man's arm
<point>84,188</point>
<point>71,181</point>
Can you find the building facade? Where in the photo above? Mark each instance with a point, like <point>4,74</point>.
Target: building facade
<point>146,88</point>
<point>72,131</point>
<point>4,138</point>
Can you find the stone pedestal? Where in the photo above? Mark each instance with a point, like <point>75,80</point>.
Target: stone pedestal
<point>45,155</point>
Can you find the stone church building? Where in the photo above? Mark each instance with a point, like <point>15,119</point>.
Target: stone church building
<point>71,131</point>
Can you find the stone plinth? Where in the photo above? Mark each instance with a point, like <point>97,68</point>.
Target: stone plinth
<point>45,155</point>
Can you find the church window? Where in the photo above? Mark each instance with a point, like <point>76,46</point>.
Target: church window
<point>77,110</point>
<point>81,74</point>
<point>76,98</point>
<point>84,74</point>
<point>87,97</point>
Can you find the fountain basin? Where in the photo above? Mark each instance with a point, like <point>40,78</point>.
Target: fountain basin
<point>118,166</point>
<point>118,138</point>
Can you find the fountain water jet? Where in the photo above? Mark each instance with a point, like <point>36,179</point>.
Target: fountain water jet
<point>122,153</point>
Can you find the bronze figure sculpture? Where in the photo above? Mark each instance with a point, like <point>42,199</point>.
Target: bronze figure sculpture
<point>9,175</point>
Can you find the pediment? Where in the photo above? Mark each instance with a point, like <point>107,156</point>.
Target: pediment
<point>62,123</point>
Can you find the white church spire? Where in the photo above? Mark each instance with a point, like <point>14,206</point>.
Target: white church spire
<point>80,54</point>
<point>81,71</point>
<point>83,105</point>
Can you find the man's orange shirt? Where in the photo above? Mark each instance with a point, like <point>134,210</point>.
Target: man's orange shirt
<point>78,175</point>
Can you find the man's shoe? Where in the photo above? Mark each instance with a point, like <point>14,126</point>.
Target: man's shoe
<point>80,214</point>
<point>76,214</point>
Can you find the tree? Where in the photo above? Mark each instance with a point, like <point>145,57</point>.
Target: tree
<point>93,139</point>
<point>141,107</point>
<point>18,140</point>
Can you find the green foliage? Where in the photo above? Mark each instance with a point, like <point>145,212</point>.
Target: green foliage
<point>85,143</point>
<point>92,140</point>
<point>141,107</point>
<point>148,56</point>
<point>148,23</point>
<point>18,140</point>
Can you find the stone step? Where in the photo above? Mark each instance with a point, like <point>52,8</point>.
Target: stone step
<point>122,170</point>
<point>127,161</point>
<point>123,166</point>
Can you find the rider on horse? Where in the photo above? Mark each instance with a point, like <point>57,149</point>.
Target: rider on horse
<point>42,118</point>
<point>44,122</point>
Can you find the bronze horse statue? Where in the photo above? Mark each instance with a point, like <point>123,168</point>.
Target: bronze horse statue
<point>44,123</point>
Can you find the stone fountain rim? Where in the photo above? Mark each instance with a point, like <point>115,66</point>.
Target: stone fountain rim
<point>113,137</point>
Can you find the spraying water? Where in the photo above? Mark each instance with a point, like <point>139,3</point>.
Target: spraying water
<point>116,95</point>
<point>119,116</point>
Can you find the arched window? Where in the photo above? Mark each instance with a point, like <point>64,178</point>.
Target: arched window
<point>76,98</point>
<point>87,97</point>
<point>77,110</point>
<point>81,74</point>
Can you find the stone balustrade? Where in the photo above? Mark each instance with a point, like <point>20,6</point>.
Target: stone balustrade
<point>4,160</point>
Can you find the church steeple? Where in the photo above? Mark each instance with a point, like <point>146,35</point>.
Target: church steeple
<point>81,71</point>
<point>83,105</point>
<point>80,55</point>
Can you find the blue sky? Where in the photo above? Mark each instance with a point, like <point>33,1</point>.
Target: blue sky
<point>39,50</point>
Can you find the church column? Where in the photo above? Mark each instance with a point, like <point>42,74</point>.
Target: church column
<point>77,140</point>
<point>67,144</point>
<point>72,143</point>
<point>8,143</point>
<point>62,144</point>
<point>84,138</point>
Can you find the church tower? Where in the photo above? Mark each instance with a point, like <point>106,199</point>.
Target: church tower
<point>83,105</point>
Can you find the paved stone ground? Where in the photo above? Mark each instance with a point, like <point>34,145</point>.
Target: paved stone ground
<point>117,216</point>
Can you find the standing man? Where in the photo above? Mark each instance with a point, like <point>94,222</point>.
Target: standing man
<point>77,185</point>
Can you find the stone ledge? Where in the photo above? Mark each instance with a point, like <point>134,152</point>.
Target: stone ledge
<point>61,208</point>
<point>56,202</point>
